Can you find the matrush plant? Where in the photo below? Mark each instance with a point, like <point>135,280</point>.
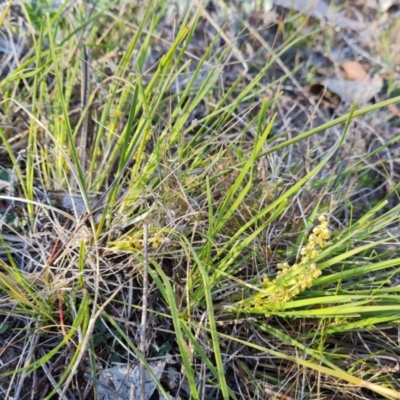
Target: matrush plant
<point>164,215</point>
<point>302,275</point>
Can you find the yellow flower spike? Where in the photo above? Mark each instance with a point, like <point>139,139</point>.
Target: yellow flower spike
<point>280,290</point>
<point>257,302</point>
<point>316,274</point>
<point>314,254</point>
<point>317,230</point>
<point>138,245</point>
<point>313,239</point>
<point>305,259</point>
<point>325,234</point>
<point>266,280</point>
<point>156,241</point>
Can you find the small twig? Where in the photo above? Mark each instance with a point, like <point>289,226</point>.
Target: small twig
<point>30,354</point>
<point>61,317</point>
<point>82,146</point>
<point>144,310</point>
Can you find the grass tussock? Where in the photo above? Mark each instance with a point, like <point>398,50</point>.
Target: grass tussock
<point>159,200</point>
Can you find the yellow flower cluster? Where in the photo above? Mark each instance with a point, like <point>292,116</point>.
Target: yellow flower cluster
<point>274,189</point>
<point>281,290</point>
<point>135,242</point>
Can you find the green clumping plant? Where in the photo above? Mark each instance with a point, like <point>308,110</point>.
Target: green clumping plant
<point>165,141</point>
<point>134,241</point>
<point>290,280</point>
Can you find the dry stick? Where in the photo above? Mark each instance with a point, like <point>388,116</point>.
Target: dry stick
<point>144,310</point>
<point>24,374</point>
<point>84,100</point>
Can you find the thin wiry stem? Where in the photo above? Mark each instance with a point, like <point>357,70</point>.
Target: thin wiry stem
<point>144,310</point>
